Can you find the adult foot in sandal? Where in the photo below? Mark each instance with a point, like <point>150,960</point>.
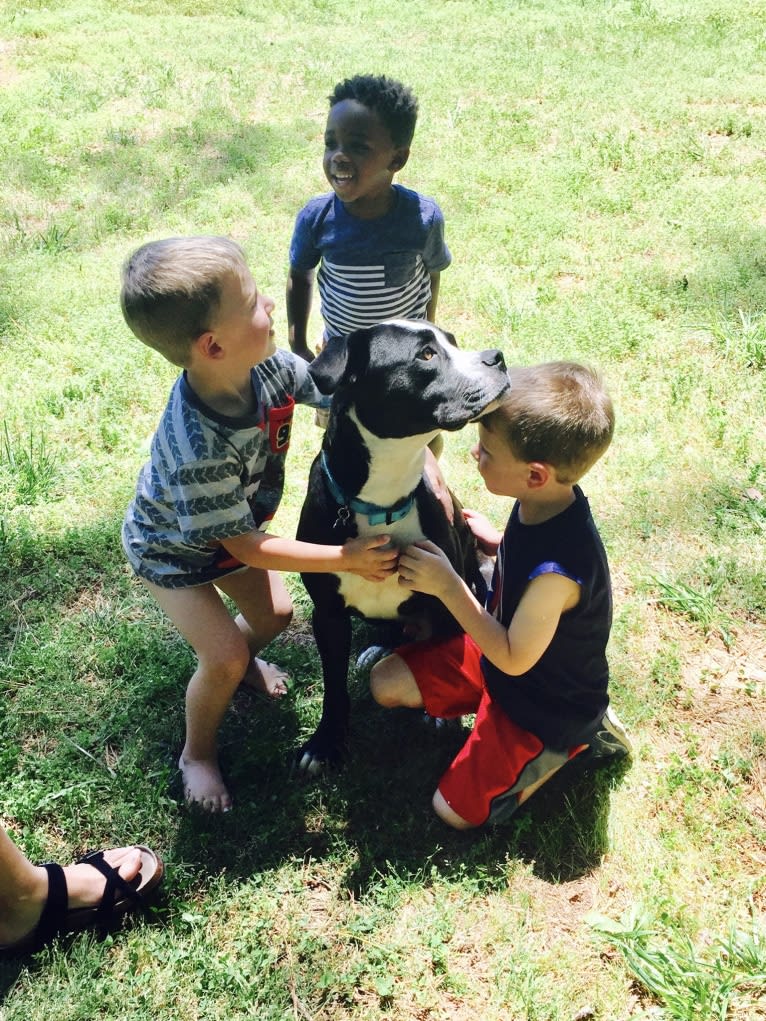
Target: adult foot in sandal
<point>39,902</point>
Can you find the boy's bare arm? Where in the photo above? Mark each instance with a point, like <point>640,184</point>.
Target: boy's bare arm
<point>537,616</point>
<point>514,650</point>
<point>298,303</point>
<point>365,556</point>
<point>431,306</point>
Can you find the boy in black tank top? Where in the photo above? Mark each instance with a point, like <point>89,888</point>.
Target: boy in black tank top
<point>532,662</point>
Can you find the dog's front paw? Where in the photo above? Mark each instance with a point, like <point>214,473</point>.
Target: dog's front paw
<point>325,749</point>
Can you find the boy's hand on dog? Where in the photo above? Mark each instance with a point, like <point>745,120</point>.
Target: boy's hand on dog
<point>485,533</point>
<point>368,557</point>
<point>425,568</point>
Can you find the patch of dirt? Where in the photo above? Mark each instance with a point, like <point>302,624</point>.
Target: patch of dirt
<point>89,600</point>
<point>298,633</point>
<point>567,282</point>
<point>320,907</point>
<point>563,907</point>
<point>716,670</point>
<point>722,700</point>
<point>9,73</point>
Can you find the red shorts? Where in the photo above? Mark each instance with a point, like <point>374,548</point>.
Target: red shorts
<point>499,759</point>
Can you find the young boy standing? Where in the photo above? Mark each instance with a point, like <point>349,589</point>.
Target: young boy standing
<point>215,478</point>
<point>379,246</point>
<point>532,664</point>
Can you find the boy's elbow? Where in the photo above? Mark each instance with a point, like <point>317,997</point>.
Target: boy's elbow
<point>514,663</point>
<point>520,664</point>
<point>299,278</point>
<point>509,665</point>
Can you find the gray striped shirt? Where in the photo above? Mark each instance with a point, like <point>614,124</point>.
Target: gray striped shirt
<point>211,478</point>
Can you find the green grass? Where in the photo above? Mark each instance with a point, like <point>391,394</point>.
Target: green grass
<point>601,169</point>
<point>715,984</point>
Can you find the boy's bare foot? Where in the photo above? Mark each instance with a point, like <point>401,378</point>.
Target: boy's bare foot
<point>85,888</point>
<point>265,679</point>
<point>203,785</point>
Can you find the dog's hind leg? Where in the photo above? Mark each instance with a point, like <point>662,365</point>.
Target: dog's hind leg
<point>327,746</point>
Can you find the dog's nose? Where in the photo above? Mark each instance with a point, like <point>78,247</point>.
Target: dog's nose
<point>492,358</point>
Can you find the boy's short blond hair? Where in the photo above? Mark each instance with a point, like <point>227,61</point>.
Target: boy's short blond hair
<point>171,290</point>
<point>558,413</point>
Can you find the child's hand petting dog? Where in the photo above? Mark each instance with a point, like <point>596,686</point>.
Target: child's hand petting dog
<point>485,533</point>
<point>370,556</point>
<point>425,568</point>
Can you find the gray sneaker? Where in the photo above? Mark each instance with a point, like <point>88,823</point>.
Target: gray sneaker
<point>610,740</point>
<point>373,654</point>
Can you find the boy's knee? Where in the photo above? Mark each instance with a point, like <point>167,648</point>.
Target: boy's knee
<point>230,663</point>
<point>392,684</point>
<point>448,815</point>
<point>383,686</point>
<point>386,683</point>
<point>283,615</point>
<point>278,620</point>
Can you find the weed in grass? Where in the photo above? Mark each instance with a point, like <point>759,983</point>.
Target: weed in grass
<point>722,981</point>
<point>700,605</point>
<point>18,545</point>
<point>733,127</point>
<point>616,149</point>
<point>53,239</point>
<point>643,9</point>
<point>741,507</point>
<point>743,341</point>
<point>31,466</point>
<point>734,767</point>
<point>683,382</point>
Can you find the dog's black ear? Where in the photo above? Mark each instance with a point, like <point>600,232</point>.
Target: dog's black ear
<point>341,359</point>
<point>329,365</point>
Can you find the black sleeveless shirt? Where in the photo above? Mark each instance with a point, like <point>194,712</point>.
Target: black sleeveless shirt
<point>564,696</point>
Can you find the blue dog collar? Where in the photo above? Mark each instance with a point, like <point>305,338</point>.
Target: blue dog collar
<point>377,515</point>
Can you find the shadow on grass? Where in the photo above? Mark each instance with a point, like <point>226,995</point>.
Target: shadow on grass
<point>139,180</point>
<point>562,832</point>
<point>374,818</point>
<point>102,694</point>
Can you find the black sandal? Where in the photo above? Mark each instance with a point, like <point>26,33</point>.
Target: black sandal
<point>119,897</point>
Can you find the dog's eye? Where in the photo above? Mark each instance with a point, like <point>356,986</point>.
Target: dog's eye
<point>427,354</point>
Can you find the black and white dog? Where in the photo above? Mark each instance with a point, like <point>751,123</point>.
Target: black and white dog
<point>396,386</point>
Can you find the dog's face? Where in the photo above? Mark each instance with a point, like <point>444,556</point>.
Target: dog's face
<point>407,378</point>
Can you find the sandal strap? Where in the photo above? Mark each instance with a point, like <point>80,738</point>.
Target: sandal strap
<point>54,912</point>
<point>116,888</point>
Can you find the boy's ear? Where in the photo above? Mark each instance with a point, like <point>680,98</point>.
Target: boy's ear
<point>401,155</point>
<point>206,345</point>
<point>538,474</point>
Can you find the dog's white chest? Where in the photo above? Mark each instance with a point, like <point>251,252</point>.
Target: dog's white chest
<point>381,599</point>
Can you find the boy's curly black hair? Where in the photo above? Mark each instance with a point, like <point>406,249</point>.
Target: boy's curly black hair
<point>393,102</point>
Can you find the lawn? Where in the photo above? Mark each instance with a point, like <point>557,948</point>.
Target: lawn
<point>601,167</point>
